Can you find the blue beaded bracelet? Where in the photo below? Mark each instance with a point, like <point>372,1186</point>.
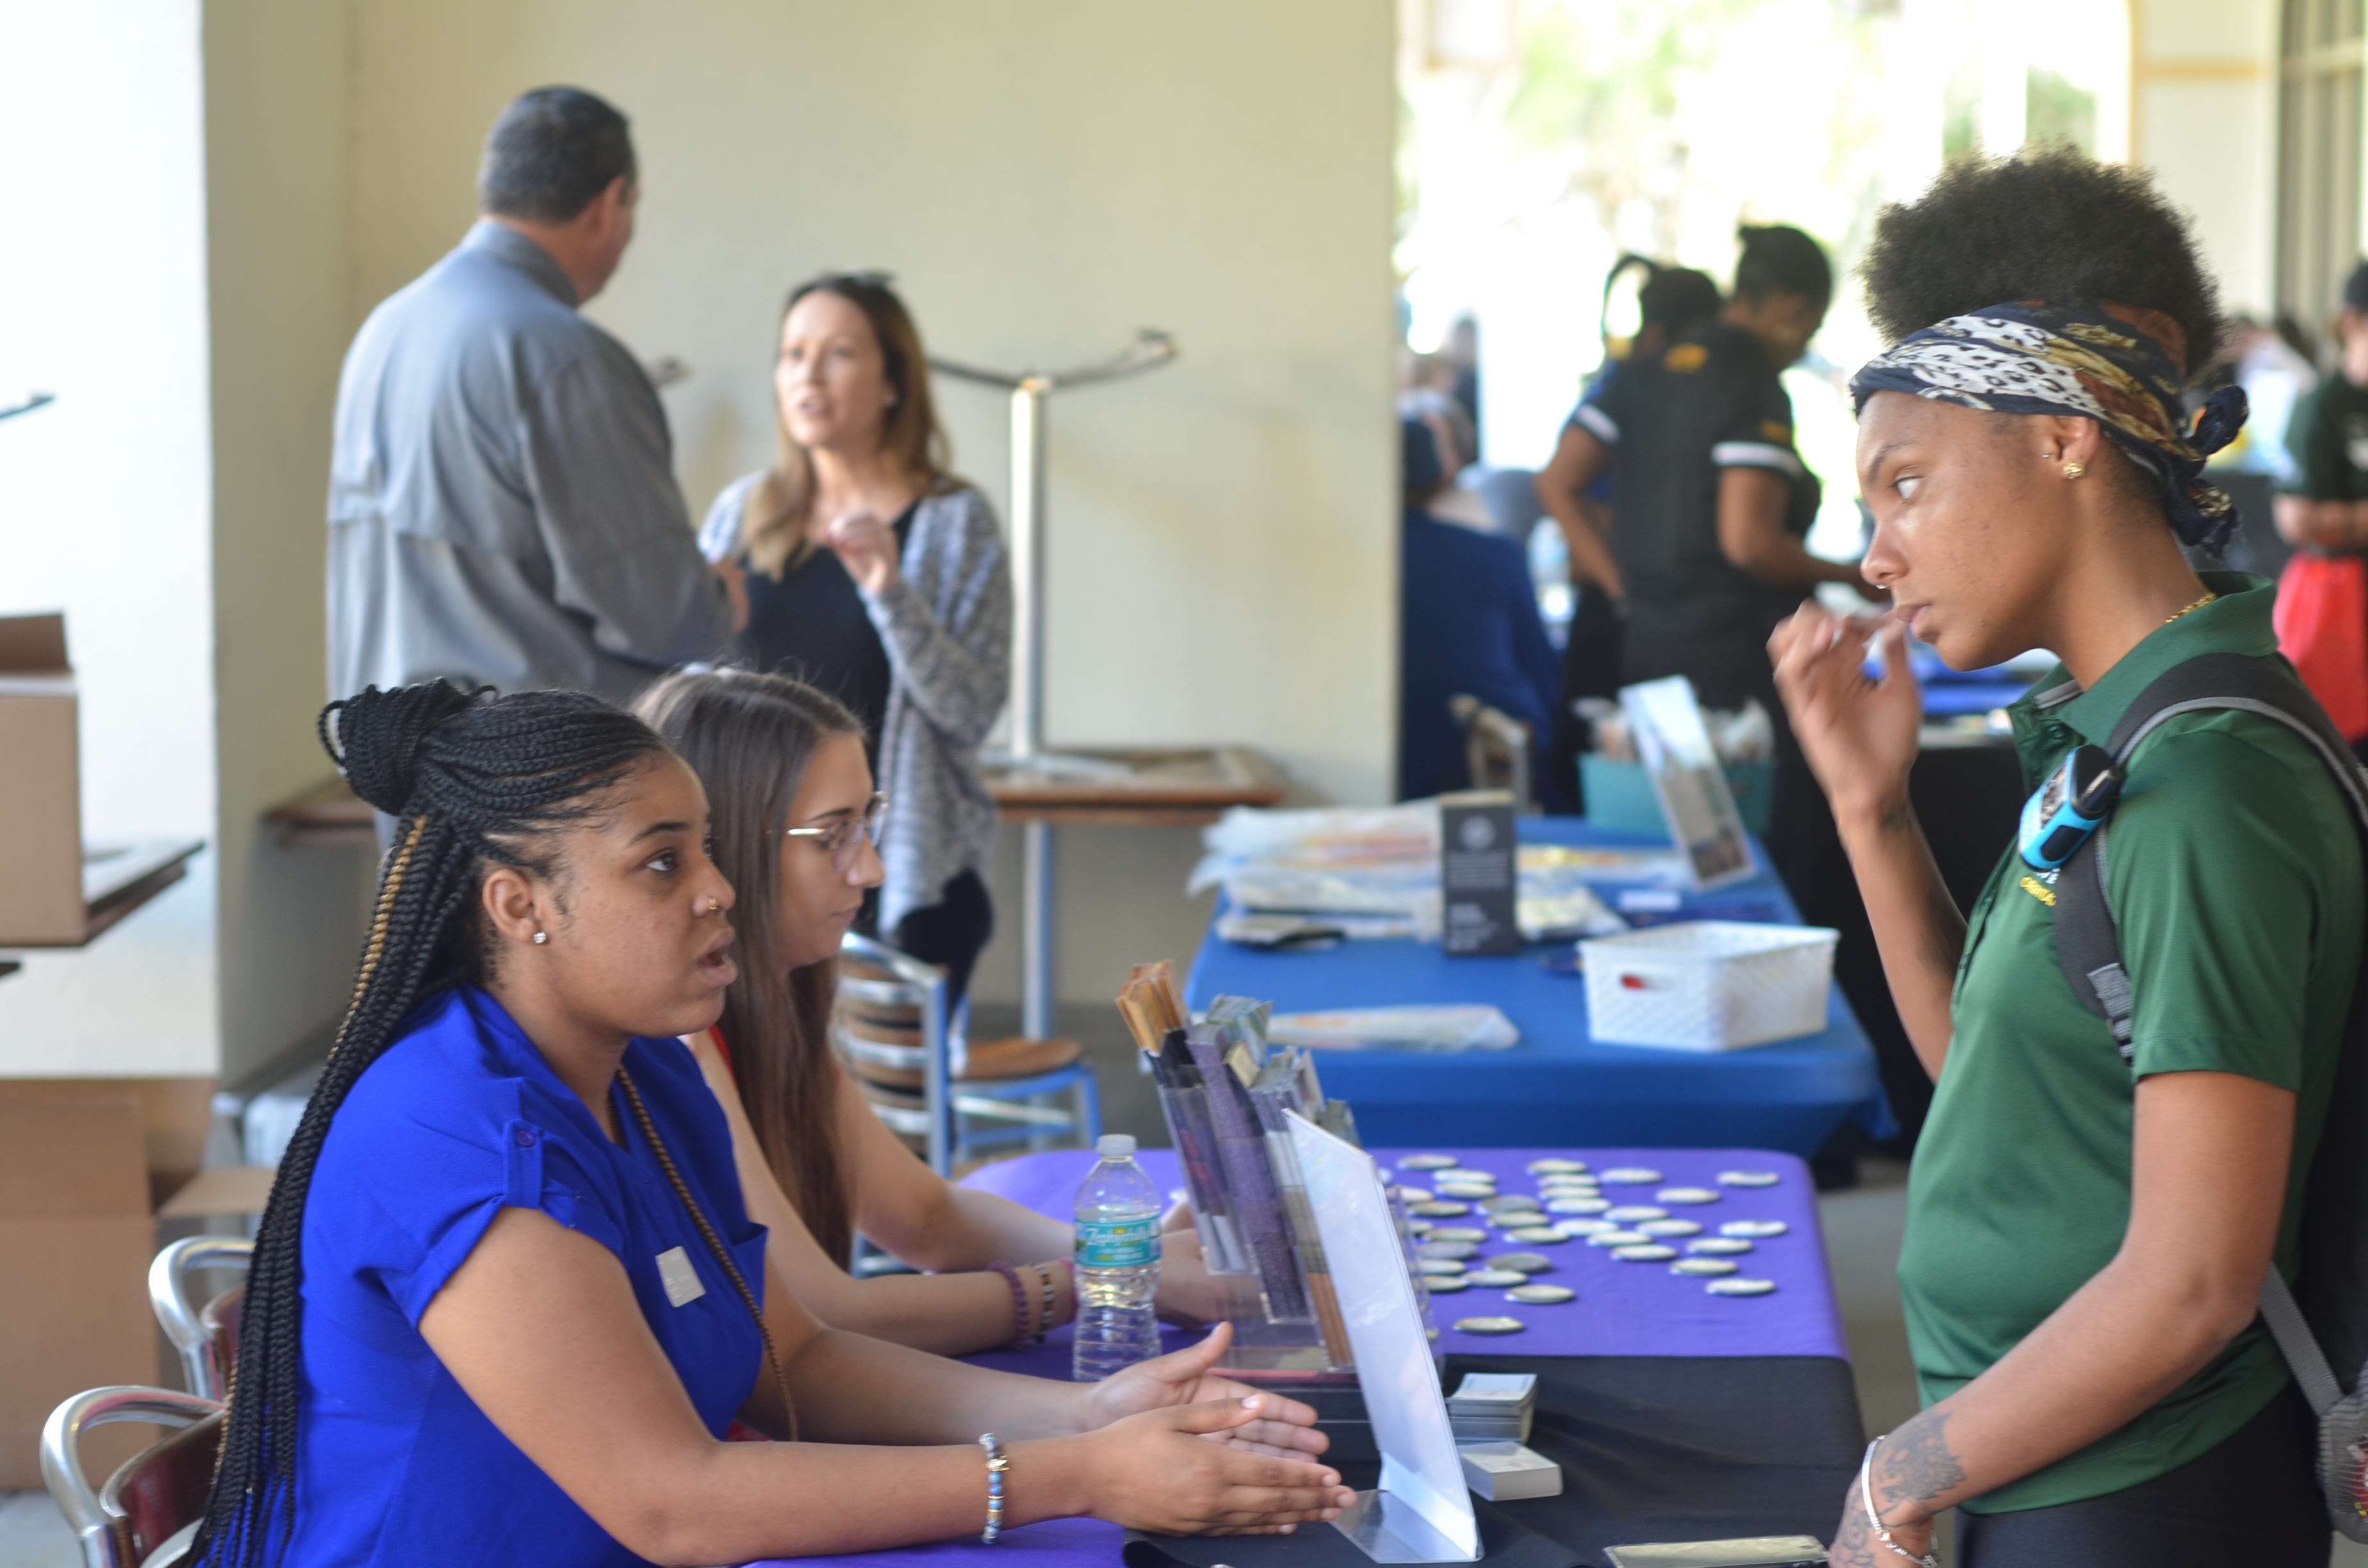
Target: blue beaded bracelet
<point>996,1465</point>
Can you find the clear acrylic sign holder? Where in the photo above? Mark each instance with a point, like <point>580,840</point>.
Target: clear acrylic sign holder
<point>1422,1510</point>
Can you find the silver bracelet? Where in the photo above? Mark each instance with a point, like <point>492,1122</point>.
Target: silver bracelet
<point>1874,1520</point>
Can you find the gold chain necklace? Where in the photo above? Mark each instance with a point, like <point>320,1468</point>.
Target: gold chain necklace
<point>2197,605</point>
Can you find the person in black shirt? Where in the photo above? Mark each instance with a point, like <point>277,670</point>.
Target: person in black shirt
<point>1672,301</point>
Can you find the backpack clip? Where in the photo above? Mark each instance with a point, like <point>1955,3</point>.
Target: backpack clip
<point>2063,811</point>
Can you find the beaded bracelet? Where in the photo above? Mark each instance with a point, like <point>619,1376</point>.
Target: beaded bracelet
<point>996,1465</point>
<point>1045,1324</point>
<point>1018,1303</point>
<point>1874,1520</point>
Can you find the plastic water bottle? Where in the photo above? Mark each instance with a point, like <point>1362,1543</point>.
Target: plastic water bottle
<point>1117,1262</point>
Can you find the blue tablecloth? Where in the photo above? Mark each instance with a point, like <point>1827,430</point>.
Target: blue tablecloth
<point>1557,1087</point>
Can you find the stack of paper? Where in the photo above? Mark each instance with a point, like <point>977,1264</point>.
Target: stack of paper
<point>1494,1407</point>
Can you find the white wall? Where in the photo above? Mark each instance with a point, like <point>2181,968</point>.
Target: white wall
<point>277,150</point>
<point>103,496</point>
<point>2203,117</point>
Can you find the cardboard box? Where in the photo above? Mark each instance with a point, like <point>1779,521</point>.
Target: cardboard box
<point>76,1236</point>
<point>40,787</point>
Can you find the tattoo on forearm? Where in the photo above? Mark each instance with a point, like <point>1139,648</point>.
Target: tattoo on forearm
<point>1917,1462</point>
<point>1944,925</point>
<point>1899,816</point>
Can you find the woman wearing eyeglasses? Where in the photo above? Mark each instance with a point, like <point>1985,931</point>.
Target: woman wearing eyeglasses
<point>794,820</point>
<point>878,577</point>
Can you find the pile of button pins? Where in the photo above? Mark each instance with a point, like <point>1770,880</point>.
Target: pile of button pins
<point>1570,1205</point>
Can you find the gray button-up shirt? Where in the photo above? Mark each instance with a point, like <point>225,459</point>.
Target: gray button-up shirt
<point>502,504</point>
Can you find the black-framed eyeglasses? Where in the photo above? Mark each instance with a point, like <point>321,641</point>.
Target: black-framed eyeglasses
<point>841,836</point>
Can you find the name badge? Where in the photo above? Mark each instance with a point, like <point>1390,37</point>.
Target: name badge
<point>681,1280</point>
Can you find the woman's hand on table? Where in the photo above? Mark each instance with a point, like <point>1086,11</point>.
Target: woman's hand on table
<point>1189,1294</point>
<point>867,548</point>
<point>1861,737</point>
<point>1274,1425</point>
<point>1184,1471</point>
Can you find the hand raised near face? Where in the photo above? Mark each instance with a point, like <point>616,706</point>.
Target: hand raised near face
<point>866,547</point>
<point>1860,735</point>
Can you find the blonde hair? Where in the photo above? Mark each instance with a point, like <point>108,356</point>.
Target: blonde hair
<point>773,525</point>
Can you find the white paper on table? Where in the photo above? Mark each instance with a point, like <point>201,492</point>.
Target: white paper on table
<point>1422,1512</point>
<point>1675,746</point>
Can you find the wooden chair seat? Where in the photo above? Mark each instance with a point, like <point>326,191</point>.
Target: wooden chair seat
<point>995,1061</point>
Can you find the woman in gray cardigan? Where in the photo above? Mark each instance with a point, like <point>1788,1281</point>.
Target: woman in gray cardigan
<point>875,574</point>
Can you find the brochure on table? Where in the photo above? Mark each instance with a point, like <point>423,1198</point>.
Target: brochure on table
<point>1675,748</point>
<point>1422,1510</point>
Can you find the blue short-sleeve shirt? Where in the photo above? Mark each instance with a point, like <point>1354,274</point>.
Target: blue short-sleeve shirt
<point>460,1119</point>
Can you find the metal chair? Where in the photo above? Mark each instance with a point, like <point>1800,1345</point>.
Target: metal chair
<point>207,1336</point>
<point>147,1513</point>
<point>948,1099</point>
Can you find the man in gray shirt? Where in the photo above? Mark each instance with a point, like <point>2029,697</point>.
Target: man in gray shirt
<point>502,504</point>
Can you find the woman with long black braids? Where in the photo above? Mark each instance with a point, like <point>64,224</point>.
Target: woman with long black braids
<point>2090,1220</point>
<point>507,1299</point>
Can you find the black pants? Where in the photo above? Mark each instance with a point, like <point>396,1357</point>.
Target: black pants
<point>950,933</point>
<point>2253,1502</point>
<point>1590,667</point>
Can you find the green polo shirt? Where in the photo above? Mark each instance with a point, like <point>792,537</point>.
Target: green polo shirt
<point>2235,878</point>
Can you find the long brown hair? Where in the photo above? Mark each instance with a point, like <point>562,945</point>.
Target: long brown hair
<point>749,738</point>
<point>773,525</point>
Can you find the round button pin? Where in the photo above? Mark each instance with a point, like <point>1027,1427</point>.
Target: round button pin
<point>1577,1206</point>
<point>1537,1235</point>
<point>1584,1227</point>
<point>1687,1195</point>
<point>1753,1228</point>
<point>1458,1233</point>
<point>1719,1246</point>
<point>1510,1203</point>
<point>1628,1214</point>
<point>1426,1163</point>
<point>1556,1167</point>
<point>1495,1279</point>
<point>1447,1284</point>
<point>1645,1252</point>
<point>1441,1208</point>
<point>1439,1266</point>
<point>1630,1175</point>
<point>1618,1239</point>
<point>1741,1287</point>
<point>1521,1262</point>
<point>1748,1178</point>
<point>1541,1295</point>
<point>1457,1250</point>
<point>1488,1326</point>
<point>1702,1267</point>
<point>1667,1228</point>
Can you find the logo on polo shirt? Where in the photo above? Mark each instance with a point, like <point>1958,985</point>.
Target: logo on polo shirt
<point>1775,430</point>
<point>2041,887</point>
<point>1686,358</point>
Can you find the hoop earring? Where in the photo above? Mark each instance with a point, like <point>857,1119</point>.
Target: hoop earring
<point>541,937</point>
<point>2074,469</point>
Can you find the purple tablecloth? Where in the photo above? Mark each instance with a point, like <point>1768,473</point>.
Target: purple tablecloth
<point>1623,1308</point>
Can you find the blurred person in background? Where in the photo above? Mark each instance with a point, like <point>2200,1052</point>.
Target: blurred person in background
<point>503,509</point>
<point>2322,617</point>
<point>1672,302</point>
<point>1711,504</point>
<point>1467,626</point>
<point>878,577</point>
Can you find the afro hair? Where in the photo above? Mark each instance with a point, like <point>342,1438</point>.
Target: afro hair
<point>2051,223</point>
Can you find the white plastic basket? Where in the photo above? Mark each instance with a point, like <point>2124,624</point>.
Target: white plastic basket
<point>1708,984</point>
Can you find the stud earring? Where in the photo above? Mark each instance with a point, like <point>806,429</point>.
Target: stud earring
<point>541,937</point>
<point>2074,470</point>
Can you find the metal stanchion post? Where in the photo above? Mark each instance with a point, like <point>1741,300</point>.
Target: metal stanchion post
<point>1028,391</point>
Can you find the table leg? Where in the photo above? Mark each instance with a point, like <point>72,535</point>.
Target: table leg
<point>1036,993</point>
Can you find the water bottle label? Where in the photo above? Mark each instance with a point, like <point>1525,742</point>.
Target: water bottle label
<point>1117,1244</point>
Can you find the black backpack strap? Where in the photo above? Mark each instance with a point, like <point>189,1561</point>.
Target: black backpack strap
<point>2320,1326</point>
<point>2087,938</point>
